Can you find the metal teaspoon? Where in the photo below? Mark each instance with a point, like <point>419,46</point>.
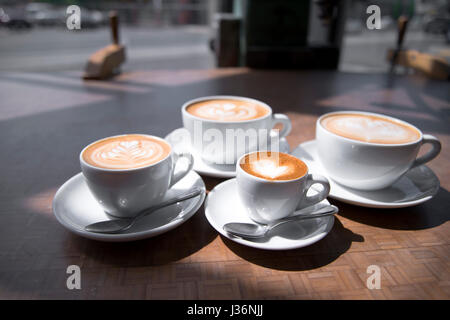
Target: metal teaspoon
<point>122,224</point>
<point>253,231</point>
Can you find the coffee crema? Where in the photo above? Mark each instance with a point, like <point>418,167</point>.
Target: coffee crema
<point>275,166</point>
<point>227,110</point>
<point>126,152</point>
<point>370,128</point>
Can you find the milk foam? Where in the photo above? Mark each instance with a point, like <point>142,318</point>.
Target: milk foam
<point>273,166</point>
<point>227,110</point>
<point>370,129</point>
<point>132,152</point>
<point>269,168</point>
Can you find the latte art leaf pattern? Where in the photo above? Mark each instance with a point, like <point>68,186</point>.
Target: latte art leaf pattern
<point>130,152</point>
<point>227,110</point>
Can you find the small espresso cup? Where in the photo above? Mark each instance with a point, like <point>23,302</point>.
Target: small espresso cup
<point>366,165</point>
<point>222,141</point>
<point>126,192</point>
<point>267,200</point>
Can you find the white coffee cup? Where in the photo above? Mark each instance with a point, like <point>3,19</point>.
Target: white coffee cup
<point>266,201</point>
<point>126,192</point>
<point>365,165</point>
<point>209,137</point>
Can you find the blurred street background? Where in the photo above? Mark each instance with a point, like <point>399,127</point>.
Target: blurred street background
<point>167,34</point>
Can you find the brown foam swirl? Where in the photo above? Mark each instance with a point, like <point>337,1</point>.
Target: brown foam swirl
<point>370,128</point>
<point>126,152</point>
<point>227,110</point>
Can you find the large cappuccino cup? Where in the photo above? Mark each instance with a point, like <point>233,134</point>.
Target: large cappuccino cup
<point>224,128</point>
<point>124,192</point>
<point>370,165</point>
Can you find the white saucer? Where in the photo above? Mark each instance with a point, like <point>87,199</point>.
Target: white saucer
<point>416,186</point>
<point>175,138</point>
<point>75,207</point>
<point>223,206</point>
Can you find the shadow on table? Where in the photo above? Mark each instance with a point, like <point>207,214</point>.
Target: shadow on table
<point>169,247</point>
<point>320,254</point>
<point>423,216</point>
<point>172,246</point>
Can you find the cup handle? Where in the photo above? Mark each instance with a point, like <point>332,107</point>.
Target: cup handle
<point>285,121</point>
<point>177,175</point>
<point>435,149</point>
<point>311,200</point>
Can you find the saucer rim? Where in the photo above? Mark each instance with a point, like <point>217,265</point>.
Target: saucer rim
<point>123,237</point>
<point>300,243</point>
<point>370,203</point>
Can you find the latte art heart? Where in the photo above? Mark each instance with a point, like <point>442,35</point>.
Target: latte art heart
<point>227,110</point>
<point>269,168</point>
<point>369,128</point>
<point>126,152</point>
<point>273,166</point>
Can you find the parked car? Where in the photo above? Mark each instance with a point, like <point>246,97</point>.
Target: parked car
<point>14,20</point>
<point>4,18</point>
<point>44,14</point>
<point>92,18</point>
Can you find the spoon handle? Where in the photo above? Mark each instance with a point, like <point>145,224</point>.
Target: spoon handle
<point>323,212</point>
<point>121,224</point>
<point>183,197</point>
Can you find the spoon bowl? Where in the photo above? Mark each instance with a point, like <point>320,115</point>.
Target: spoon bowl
<point>254,231</point>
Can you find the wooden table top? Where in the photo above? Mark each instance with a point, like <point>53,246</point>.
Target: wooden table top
<point>46,119</point>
